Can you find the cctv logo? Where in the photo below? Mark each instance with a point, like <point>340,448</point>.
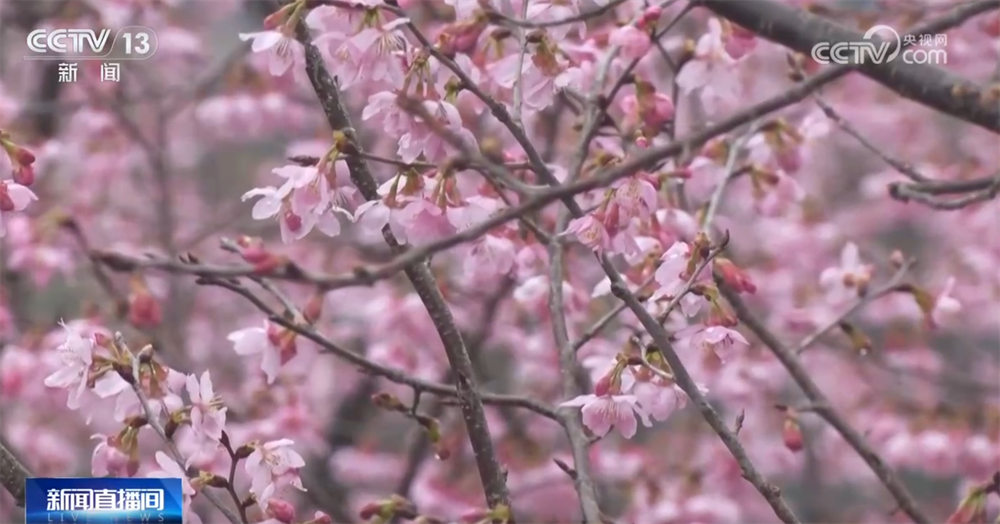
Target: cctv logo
<point>69,41</point>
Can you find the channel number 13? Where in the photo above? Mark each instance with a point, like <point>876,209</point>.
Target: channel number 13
<point>141,43</point>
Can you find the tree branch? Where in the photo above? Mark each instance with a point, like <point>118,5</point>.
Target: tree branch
<point>12,475</point>
<point>490,471</point>
<point>823,408</point>
<point>925,84</point>
<point>770,492</point>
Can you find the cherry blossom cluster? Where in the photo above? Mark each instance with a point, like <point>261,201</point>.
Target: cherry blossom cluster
<point>100,371</point>
<point>506,260</point>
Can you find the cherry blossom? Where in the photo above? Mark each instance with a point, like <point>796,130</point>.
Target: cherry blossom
<point>722,341</point>
<point>284,53</point>
<point>264,341</point>
<point>366,201</point>
<point>271,462</point>
<point>208,415</point>
<point>850,278</point>
<point>13,197</point>
<point>601,413</point>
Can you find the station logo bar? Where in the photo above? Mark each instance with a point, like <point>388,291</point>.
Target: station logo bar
<point>103,501</point>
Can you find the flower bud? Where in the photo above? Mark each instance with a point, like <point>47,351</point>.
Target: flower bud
<point>281,510</point>
<point>387,401</point>
<point>243,451</point>
<point>734,277</point>
<point>652,14</point>
<point>275,19</point>
<point>22,156</point>
<point>860,342</point>
<point>461,36</point>
<point>972,509</point>
<point>263,261</point>
<point>24,175</point>
<point>171,428</point>
<point>791,433</point>
<point>441,451</point>
<point>145,355</point>
<point>370,510</point>
<point>144,311</point>
<point>314,308</point>
<point>603,386</point>
<point>215,481</point>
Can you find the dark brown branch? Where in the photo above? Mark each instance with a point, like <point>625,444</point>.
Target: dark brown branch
<point>12,475</point>
<point>823,408</point>
<point>925,84</point>
<point>490,471</point>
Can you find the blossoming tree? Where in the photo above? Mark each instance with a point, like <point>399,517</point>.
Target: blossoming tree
<point>508,261</point>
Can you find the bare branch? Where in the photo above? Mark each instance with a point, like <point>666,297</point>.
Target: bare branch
<point>823,408</point>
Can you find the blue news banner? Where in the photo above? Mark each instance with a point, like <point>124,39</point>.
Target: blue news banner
<point>103,501</point>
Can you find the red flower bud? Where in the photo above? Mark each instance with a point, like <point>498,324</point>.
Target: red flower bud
<point>293,221</point>
<point>314,308</point>
<point>144,311</point>
<point>281,510</point>
<point>461,37</point>
<point>24,175</point>
<point>792,434</point>
<point>22,156</point>
<point>275,19</point>
<point>652,14</point>
<point>370,510</point>
<point>735,277</point>
<point>603,386</point>
<point>253,251</point>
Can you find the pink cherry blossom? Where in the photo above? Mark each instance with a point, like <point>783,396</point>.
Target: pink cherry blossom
<point>13,197</point>
<point>848,278</point>
<point>270,462</point>
<point>722,341</point>
<point>170,469</point>
<point>712,69</point>
<point>600,414</point>
<point>107,460</point>
<point>259,341</point>
<point>365,201</point>
<point>590,232</point>
<point>633,41</point>
<point>283,52</point>
<point>76,355</point>
<point>208,415</point>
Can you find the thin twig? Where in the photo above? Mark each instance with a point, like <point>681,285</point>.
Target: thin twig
<point>823,408</point>
<point>154,422</point>
<point>868,298</point>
